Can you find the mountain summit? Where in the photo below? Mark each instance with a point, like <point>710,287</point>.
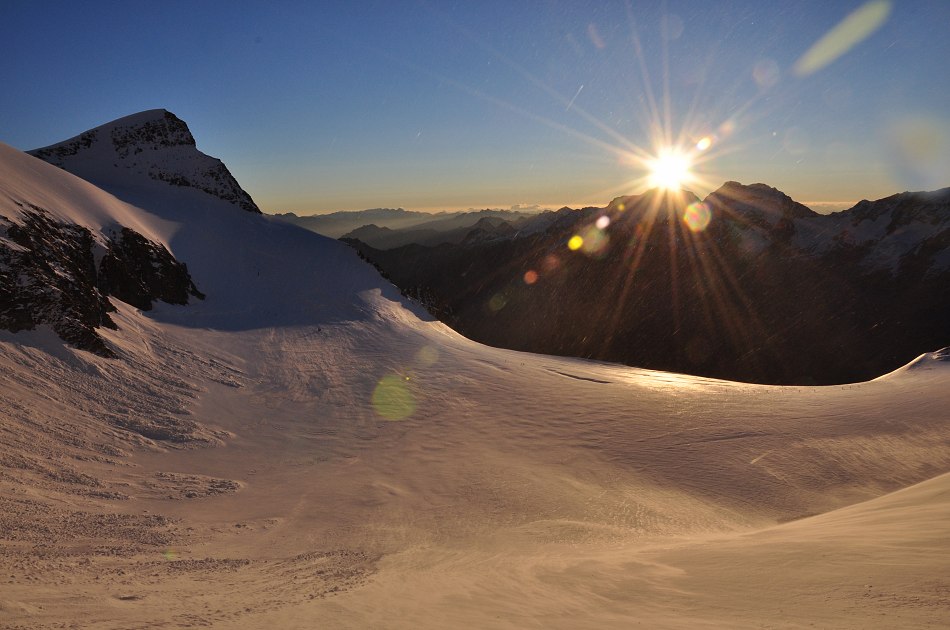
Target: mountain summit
<point>153,145</point>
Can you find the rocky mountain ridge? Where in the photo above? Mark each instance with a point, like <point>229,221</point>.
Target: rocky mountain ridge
<point>61,275</point>
<point>746,284</point>
<point>154,145</point>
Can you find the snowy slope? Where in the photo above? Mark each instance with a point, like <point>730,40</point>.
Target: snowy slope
<point>67,247</point>
<point>68,198</point>
<point>375,469</point>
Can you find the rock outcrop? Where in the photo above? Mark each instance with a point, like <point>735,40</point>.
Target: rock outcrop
<point>49,274</point>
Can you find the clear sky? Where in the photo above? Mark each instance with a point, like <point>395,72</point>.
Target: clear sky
<point>320,106</point>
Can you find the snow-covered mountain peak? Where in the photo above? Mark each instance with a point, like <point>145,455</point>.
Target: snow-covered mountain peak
<point>759,204</point>
<point>150,127</point>
<point>150,146</point>
<point>932,207</point>
<point>908,224</point>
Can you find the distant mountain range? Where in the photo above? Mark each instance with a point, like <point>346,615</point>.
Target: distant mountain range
<point>462,228</point>
<point>376,226</point>
<point>746,284</point>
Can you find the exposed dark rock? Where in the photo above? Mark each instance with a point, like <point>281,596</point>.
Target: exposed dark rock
<point>59,151</point>
<point>166,131</point>
<point>138,272</point>
<point>48,275</point>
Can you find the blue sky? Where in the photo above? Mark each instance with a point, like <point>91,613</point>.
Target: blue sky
<point>322,106</point>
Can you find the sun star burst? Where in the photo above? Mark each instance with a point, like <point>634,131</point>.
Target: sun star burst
<point>670,170</point>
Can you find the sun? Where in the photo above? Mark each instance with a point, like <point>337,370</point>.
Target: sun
<point>670,170</point>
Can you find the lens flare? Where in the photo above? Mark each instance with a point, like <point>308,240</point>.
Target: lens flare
<point>919,153</point>
<point>637,238</point>
<point>530,276</point>
<point>392,399</point>
<point>595,241</point>
<point>704,143</point>
<point>851,31</point>
<point>497,302</point>
<point>697,216</point>
<point>427,356</point>
<point>766,73</point>
<point>603,222</point>
<point>575,243</point>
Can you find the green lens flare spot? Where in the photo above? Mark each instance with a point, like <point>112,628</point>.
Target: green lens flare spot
<point>497,302</point>
<point>595,241</point>
<point>392,399</point>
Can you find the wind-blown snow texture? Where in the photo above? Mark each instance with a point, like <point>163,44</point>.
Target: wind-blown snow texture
<point>376,469</point>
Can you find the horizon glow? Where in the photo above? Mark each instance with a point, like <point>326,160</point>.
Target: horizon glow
<point>319,108</point>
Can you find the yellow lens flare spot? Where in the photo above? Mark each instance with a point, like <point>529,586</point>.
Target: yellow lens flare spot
<point>575,243</point>
<point>170,554</point>
<point>392,399</point>
<point>704,143</point>
<point>920,152</point>
<point>697,216</point>
<point>669,171</point>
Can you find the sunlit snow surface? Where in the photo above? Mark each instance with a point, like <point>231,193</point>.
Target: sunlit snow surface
<point>357,464</point>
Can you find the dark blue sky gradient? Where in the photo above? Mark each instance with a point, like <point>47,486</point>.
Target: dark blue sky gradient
<point>340,105</point>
